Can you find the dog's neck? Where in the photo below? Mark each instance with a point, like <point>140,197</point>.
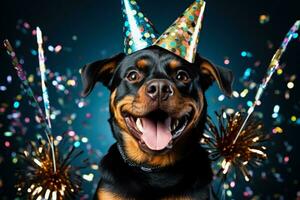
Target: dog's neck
<point>143,167</point>
<point>192,169</point>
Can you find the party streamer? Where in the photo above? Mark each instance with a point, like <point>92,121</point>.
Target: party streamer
<point>273,66</point>
<point>22,76</point>
<point>39,38</point>
<point>43,74</point>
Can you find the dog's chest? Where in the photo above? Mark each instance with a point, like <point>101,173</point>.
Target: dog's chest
<point>186,180</point>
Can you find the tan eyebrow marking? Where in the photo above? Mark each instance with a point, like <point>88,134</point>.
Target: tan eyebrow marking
<point>142,63</point>
<point>173,64</point>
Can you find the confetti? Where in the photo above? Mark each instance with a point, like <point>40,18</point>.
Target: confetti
<point>246,54</point>
<point>263,19</point>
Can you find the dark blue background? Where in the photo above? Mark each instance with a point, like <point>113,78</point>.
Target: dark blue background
<point>229,28</point>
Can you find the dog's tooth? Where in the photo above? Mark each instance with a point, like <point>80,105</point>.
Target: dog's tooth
<point>139,124</point>
<point>170,145</point>
<point>168,123</point>
<point>173,127</point>
<point>176,123</point>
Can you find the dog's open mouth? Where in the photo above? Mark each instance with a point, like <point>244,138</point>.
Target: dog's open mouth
<point>156,130</point>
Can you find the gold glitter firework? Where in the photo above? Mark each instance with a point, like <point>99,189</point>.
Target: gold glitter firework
<point>39,181</point>
<point>248,149</point>
<point>49,175</point>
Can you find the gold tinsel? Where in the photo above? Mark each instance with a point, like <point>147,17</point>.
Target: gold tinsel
<point>39,181</point>
<point>248,150</point>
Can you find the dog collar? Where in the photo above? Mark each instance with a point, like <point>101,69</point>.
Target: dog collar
<point>145,168</point>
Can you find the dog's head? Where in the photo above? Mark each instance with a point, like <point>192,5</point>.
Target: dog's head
<point>157,102</point>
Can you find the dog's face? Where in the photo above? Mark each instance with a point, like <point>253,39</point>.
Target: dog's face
<point>157,102</point>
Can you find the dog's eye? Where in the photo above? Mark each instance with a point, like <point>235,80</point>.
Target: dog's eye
<point>133,76</point>
<point>182,76</point>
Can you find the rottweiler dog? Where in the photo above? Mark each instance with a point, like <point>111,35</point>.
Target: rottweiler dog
<point>158,111</point>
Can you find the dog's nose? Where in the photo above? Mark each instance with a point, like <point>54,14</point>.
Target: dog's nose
<point>159,89</point>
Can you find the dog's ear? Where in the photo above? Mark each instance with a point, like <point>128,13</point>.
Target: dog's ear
<point>210,73</point>
<point>101,70</point>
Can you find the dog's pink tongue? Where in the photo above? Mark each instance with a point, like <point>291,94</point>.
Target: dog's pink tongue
<point>156,135</point>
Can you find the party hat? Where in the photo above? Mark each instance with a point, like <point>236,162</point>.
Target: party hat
<point>138,30</point>
<point>181,37</point>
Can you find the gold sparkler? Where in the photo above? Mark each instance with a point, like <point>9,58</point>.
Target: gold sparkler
<point>248,149</point>
<point>38,181</point>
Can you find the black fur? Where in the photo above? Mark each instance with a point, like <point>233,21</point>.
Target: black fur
<point>190,176</point>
